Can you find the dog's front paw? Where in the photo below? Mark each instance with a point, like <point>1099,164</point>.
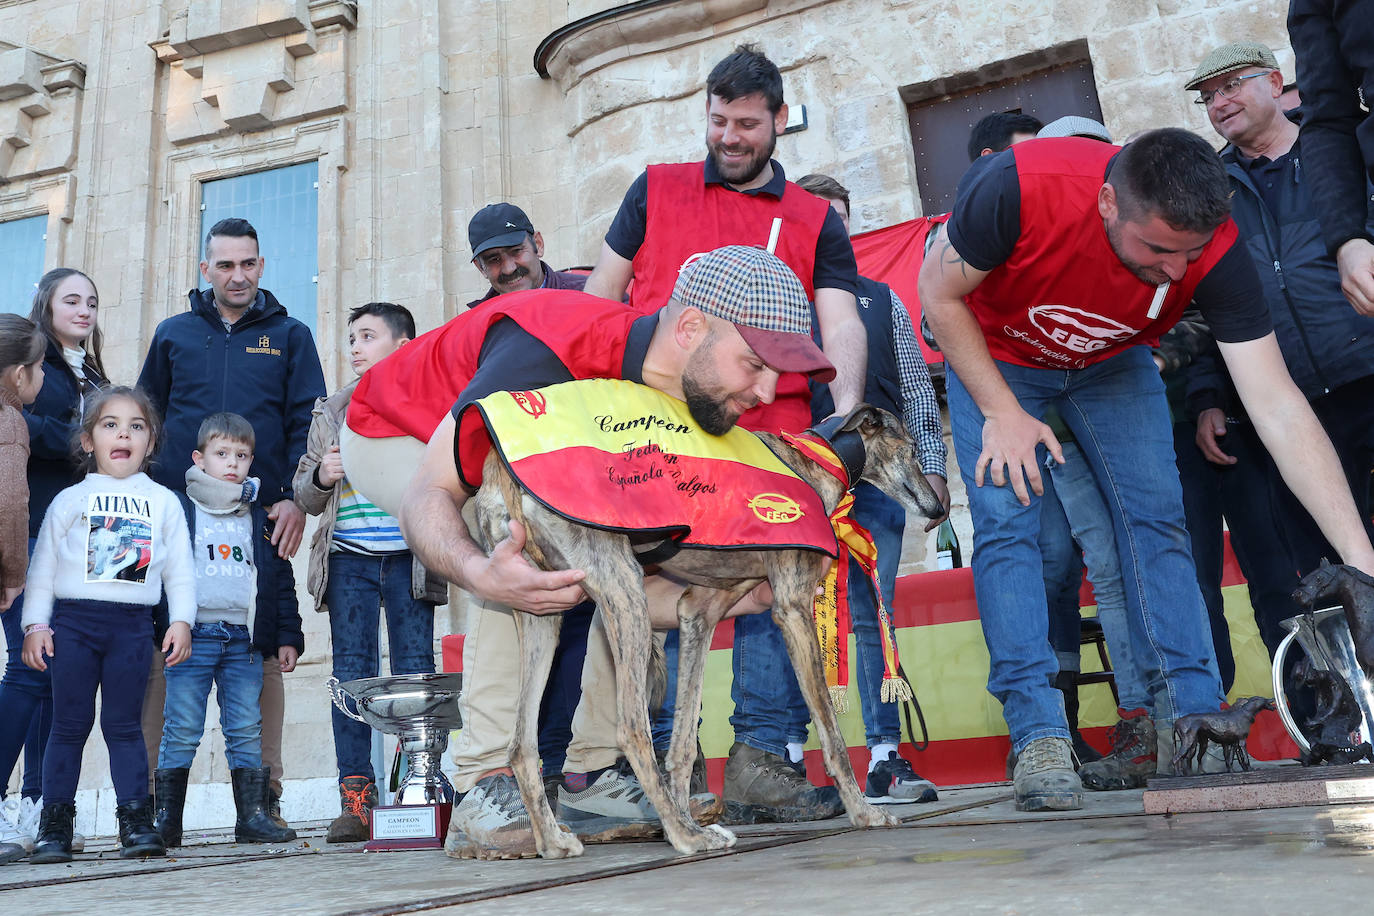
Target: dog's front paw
<point>872,816</point>
<point>564,844</point>
<point>703,839</point>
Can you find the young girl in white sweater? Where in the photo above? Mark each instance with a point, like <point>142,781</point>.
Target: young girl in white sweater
<point>108,547</point>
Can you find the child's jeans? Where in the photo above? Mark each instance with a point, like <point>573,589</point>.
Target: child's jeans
<point>358,588</point>
<point>222,654</point>
<point>107,646</point>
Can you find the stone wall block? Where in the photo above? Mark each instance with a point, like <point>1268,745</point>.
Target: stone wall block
<point>1123,13</point>
<point>243,83</point>
<point>20,73</point>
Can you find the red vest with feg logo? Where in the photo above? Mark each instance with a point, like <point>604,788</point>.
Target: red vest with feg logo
<point>1064,299</point>
<point>685,216</point>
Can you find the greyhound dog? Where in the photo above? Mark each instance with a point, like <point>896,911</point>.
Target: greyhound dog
<point>716,581</point>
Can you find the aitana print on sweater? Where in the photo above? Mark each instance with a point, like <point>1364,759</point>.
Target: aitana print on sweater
<point>119,541</point>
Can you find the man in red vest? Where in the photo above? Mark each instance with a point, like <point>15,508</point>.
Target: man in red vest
<point>736,320</point>
<point>740,196</point>
<point>1063,260</point>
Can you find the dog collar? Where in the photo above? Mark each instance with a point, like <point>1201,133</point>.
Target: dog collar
<point>848,445</point>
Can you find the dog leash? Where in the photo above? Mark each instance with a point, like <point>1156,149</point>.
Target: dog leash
<point>909,704</point>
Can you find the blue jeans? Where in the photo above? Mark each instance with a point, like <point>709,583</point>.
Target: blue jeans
<point>358,588</point>
<point>765,690</point>
<point>1090,525</point>
<point>26,698</point>
<point>885,519</point>
<point>106,647</point>
<point>1117,412</point>
<point>222,654</point>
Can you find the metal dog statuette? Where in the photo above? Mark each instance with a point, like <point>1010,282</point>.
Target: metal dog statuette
<point>421,709</point>
<point>1228,728</point>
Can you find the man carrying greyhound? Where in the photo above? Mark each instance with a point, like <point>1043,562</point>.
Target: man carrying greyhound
<point>736,319</point>
<point>1063,259</point>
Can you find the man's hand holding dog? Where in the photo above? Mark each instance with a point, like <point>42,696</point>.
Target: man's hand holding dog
<point>508,577</point>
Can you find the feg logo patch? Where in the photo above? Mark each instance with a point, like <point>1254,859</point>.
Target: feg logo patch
<point>1077,330</point>
<point>531,402</point>
<point>775,508</point>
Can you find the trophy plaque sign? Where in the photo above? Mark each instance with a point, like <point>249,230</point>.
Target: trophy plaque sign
<point>421,709</point>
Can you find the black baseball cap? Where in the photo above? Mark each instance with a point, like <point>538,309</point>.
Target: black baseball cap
<point>498,226</point>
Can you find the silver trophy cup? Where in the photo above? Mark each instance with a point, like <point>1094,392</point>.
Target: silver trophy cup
<point>419,708</point>
<point>1325,637</point>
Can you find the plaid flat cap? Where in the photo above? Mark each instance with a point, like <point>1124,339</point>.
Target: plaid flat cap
<point>761,296</point>
<point>1232,57</point>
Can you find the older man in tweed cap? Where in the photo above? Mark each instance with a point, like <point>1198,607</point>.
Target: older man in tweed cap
<point>737,317</point>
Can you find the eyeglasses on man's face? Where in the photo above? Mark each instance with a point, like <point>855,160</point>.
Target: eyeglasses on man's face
<point>1227,89</point>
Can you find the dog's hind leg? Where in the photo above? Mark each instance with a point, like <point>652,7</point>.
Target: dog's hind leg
<point>538,637</point>
<point>615,583</point>
<point>794,579</point>
<point>699,609</point>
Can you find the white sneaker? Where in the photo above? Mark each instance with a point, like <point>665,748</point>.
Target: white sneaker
<point>12,827</point>
<point>29,813</point>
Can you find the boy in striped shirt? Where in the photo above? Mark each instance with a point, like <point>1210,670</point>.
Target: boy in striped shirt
<point>359,563</point>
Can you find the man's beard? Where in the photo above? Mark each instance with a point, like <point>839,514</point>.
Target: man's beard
<point>749,170</point>
<point>1153,276</point>
<point>708,409</point>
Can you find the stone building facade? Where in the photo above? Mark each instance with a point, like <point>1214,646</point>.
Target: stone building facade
<point>113,116</point>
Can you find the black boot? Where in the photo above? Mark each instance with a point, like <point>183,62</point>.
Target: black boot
<point>171,799</point>
<point>254,825</point>
<point>138,838</point>
<point>1066,682</point>
<point>54,843</point>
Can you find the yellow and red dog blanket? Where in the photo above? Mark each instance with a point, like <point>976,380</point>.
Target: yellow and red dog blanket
<point>624,457</point>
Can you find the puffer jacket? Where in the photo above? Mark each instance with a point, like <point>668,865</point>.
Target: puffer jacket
<point>1325,343</point>
<point>326,421</point>
<point>264,368</point>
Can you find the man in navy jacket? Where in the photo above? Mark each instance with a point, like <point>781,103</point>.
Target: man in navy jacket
<point>236,349</point>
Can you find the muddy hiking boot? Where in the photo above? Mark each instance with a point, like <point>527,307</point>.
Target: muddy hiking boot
<point>490,822</point>
<point>1045,779</point>
<point>762,788</point>
<point>357,797</point>
<point>1133,758</point>
<point>610,804</point>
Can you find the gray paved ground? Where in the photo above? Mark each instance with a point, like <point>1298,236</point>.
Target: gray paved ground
<point>971,852</point>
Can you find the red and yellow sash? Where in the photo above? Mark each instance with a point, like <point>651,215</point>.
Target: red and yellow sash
<point>832,606</point>
<point>624,457</point>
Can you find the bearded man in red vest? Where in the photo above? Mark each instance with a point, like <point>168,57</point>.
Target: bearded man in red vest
<point>739,196</point>
<point>1063,261</point>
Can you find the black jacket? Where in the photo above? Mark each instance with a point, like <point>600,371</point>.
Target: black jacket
<point>1333,41</point>
<point>264,368</point>
<point>1325,343</point>
<point>276,614</point>
<point>52,420</point>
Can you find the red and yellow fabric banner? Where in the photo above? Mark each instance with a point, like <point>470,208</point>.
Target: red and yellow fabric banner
<point>624,457</point>
<point>831,609</point>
